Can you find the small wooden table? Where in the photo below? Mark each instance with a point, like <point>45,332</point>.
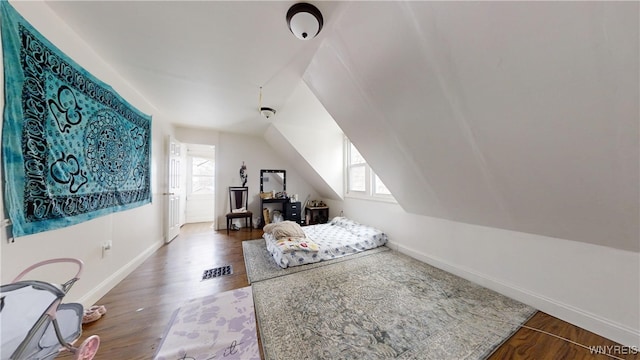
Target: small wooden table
<point>316,215</point>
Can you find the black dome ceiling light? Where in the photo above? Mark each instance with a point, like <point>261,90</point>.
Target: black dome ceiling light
<point>304,20</point>
<point>267,112</point>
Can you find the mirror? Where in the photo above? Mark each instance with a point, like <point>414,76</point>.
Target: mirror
<point>273,180</point>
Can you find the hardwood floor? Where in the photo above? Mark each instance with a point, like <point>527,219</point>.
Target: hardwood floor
<point>530,344</point>
<point>140,307</point>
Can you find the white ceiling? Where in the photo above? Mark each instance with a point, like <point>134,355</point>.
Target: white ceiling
<point>515,115</point>
<point>200,63</point>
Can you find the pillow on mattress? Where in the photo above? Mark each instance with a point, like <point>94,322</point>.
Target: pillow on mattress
<point>343,221</point>
<point>367,232</point>
<point>284,229</point>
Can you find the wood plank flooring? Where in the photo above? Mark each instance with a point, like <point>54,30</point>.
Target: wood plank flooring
<point>140,307</point>
<point>530,344</point>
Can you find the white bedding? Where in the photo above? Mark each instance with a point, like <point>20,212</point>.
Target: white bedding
<point>338,238</point>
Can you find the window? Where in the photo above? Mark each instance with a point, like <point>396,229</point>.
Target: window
<point>361,180</point>
<point>378,187</point>
<point>357,173</point>
<point>202,176</point>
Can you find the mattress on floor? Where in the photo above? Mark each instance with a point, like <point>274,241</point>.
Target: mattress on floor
<point>340,237</point>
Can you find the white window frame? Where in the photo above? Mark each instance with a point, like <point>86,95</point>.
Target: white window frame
<point>370,176</point>
<point>195,151</point>
<point>192,176</point>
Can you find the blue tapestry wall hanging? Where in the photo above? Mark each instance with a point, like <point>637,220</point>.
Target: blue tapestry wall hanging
<point>72,148</point>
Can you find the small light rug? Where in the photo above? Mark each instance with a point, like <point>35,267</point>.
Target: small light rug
<point>382,306</point>
<point>261,266</point>
<point>220,326</point>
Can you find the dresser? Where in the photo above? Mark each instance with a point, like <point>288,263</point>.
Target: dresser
<point>292,211</point>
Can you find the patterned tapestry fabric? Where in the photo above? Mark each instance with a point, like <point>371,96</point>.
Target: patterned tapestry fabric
<point>72,148</point>
<point>382,306</point>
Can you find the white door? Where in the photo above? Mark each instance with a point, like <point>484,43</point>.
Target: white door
<point>172,225</point>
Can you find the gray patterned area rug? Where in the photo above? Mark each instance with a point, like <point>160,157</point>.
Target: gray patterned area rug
<point>386,305</point>
<point>261,266</point>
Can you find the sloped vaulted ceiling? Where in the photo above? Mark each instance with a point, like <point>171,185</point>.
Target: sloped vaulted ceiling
<point>516,115</point>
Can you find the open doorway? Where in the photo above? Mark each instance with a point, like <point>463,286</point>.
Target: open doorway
<point>200,185</point>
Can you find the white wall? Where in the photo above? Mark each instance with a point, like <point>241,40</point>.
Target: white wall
<point>283,141</point>
<point>135,233</point>
<point>513,115</point>
<point>594,287</point>
<point>232,150</point>
<point>305,132</point>
<point>197,136</point>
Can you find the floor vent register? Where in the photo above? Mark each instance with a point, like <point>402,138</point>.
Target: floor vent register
<point>217,272</point>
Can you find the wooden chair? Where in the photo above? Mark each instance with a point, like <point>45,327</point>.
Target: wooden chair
<point>239,204</point>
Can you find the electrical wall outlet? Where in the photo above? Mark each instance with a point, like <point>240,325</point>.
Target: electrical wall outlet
<point>106,248</point>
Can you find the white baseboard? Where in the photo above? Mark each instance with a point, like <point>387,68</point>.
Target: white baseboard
<point>584,319</point>
<point>109,283</point>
